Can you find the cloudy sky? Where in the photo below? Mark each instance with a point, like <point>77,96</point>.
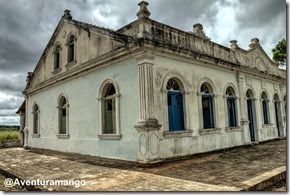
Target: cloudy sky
<point>26,26</point>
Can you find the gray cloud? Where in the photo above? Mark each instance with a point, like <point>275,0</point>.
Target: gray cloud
<point>260,13</point>
<point>12,84</point>
<point>4,113</point>
<point>265,20</point>
<point>9,120</point>
<point>12,103</point>
<point>183,14</point>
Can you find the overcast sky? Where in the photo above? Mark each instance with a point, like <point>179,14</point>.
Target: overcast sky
<point>26,26</point>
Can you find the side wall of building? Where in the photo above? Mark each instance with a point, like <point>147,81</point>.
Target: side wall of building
<point>195,139</point>
<point>84,114</point>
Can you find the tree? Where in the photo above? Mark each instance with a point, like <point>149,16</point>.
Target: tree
<point>279,53</point>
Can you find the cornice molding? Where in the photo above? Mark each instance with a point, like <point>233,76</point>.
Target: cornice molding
<point>136,49</point>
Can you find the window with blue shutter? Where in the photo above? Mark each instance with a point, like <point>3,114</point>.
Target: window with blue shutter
<point>265,108</point>
<point>207,107</point>
<point>175,106</point>
<point>231,104</point>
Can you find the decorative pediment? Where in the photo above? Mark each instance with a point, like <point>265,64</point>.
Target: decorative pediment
<point>261,65</point>
<point>99,41</point>
<point>261,61</point>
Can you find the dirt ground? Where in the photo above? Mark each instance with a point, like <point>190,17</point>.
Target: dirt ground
<point>218,171</point>
<point>278,187</point>
<point>5,189</point>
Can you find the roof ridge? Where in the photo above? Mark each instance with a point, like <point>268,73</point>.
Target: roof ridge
<point>92,25</point>
<point>120,36</point>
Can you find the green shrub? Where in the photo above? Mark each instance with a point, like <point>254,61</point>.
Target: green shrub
<point>8,135</point>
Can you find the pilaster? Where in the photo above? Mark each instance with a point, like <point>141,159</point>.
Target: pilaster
<point>25,130</point>
<point>148,127</point>
<point>243,110</point>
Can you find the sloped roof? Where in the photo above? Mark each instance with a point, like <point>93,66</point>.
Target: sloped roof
<point>86,26</point>
<point>21,109</point>
<point>117,35</point>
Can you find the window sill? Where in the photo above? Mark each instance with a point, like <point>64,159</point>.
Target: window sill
<point>109,136</point>
<point>209,131</point>
<point>177,134</point>
<point>56,71</point>
<point>70,64</point>
<point>267,125</point>
<point>62,136</point>
<point>35,135</point>
<point>233,129</point>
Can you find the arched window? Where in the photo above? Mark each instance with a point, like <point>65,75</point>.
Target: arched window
<point>63,116</point>
<point>231,105</point>
<point>207,106</point>
<point>109,98</point>
<point>71,49</point>
<point>35,113</point>
<point>265,108</point>
<point>109,116</point>
<point>57,57</point>
<point>175,106</point>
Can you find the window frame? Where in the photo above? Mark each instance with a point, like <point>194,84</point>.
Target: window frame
<point>211,98</point>
<point>57,52</point>
<point>171,92</point>
<point>265,108</point>
<point>102,102</point>
<point>60,108</point>
<point>285,106</point>
<point>184,87</point>
<point>232,122</point>
<point>35,114</point>
<point>71,41</point>
<point>230,95</point>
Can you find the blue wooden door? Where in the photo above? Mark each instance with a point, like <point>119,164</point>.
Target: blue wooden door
<point>277,117</point>
<point>232,112</point>
<point>207,111</point>
<point>251,119</point>
<point>175,111</point>
<point>265,112</point>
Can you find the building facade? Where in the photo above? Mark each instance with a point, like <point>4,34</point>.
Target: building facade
<point>149,91</point>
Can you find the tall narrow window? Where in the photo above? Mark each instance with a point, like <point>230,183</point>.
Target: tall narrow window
<point>278,114</point>
<point>207,107</point>
<point>231,104</point>
<point>175,106</point>
<point>109,98</point>
<point>35,119</point>
<point>71,49</point>
<point>57,57</point>
<point>63,115</point>
<point>109,116</point>
<point>251,113</point>
<point>265,108</point>
<point>285,104</point>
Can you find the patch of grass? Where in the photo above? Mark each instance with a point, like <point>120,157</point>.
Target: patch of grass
<point>8,128</point>
<point>8,135</point>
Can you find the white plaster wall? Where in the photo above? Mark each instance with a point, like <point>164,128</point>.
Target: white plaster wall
<point>84,111</point>
<point>192,73</point>
<point>269,131</point>
<point>84,114</point>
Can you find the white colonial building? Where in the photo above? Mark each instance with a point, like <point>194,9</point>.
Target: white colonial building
<point>149,91</point>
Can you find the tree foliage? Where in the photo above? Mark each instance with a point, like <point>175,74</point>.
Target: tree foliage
<point>279,53</point>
